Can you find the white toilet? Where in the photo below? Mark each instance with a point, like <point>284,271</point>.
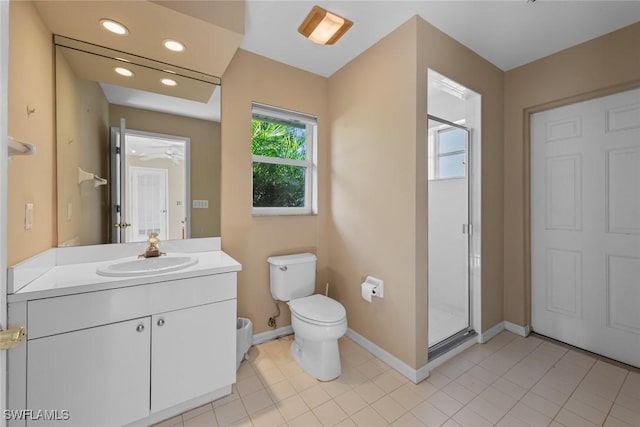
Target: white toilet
<point>318,321</point>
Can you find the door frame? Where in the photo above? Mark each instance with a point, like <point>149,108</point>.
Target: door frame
<point>115,131</point>
<point>4,158</point>
<point>527,114</point>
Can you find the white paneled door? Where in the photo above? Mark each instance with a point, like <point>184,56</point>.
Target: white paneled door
<point>585,225</point>
<point>148,203</point>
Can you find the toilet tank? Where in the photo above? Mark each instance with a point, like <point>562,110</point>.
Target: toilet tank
<point>292,276</point>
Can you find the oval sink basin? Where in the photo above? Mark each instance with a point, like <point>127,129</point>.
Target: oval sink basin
<point>128,267</point>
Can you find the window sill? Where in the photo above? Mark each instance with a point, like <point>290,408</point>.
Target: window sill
<point>280,212</point>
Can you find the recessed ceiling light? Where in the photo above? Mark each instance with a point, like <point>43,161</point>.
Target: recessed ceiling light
<point>114,27</point>
<point>323,27</point>
<point>169,82</point>
<point>124,71</point>
<point>173,45</point>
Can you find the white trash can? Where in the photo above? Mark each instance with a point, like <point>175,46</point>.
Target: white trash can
<point>244,336</point>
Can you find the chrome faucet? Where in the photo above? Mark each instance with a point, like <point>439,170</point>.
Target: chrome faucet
<point>153,247</point>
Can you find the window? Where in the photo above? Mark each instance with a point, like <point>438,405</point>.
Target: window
<point>284,169</point>
<point>447,153</point>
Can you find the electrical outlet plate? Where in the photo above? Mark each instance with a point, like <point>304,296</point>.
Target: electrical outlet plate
<point>200,204</point>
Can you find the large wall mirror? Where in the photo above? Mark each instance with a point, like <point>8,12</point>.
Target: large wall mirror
<point>138,147</point>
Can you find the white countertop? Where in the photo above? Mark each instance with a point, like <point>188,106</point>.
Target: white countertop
<point>67,279</point>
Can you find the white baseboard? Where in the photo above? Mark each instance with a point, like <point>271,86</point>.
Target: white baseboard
<point>271,335</point>
<point>414,375</point>
<point>490,333</point>
<point>523,331</point>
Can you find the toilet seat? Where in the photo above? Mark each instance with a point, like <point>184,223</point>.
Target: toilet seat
<point>318,309</point>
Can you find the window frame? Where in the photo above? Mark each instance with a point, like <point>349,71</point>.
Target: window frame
<point>437,155</point>
<point>310,122</point>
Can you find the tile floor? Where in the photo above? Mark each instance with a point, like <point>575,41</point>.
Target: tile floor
<point>509,381</point>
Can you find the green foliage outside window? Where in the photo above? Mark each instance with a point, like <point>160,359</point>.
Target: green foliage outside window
<point>277,185</point>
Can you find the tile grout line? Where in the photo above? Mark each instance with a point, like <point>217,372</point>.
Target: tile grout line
<point>528,390</point>
<point>576,388</point>
<point>464,405</point>
<point>617,394</point>
<point>567,350</point>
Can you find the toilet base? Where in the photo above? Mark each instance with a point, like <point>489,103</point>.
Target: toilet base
<point>320,359</point>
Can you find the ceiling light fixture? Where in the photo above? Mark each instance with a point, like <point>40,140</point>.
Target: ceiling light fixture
<point>173,45</point>
<point>124,71</point>
<point>114,27</point>
<point>323,27</point>
<point>169,82</point>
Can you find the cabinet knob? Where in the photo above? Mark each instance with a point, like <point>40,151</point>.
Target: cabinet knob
<point>140,327</point>
<point>160,322</point>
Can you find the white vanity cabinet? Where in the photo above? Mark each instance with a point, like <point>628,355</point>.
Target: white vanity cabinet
<point>190,354</point>
<point>100,375</point>
<point>132,355</point>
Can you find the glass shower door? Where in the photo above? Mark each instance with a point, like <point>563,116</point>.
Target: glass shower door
<point>448,231</point>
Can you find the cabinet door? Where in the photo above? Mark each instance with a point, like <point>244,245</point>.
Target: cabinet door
<point>193,353</point>
<point>99,375</point>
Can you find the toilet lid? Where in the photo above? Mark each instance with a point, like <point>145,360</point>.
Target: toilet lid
<point>318,308</point>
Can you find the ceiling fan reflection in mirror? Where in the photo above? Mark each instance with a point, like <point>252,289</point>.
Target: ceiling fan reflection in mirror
<point>150,148</point>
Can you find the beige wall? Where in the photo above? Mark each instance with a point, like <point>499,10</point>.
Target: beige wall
<point>205,158</point>
<point>250,239</point>
<point>379,182</point>
<point>30,179</point>
<point>82,129</point>
<point>373,190</point>
<point>598,67</point>
<point>94,150</point>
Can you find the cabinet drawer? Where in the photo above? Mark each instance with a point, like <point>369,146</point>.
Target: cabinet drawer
<point>68,313</point>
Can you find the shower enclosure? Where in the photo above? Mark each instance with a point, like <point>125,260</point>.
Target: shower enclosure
<point>449,229</point>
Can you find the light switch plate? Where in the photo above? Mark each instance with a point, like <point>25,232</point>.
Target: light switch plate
<point>28,216</point>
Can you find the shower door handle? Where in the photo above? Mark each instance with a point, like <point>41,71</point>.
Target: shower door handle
<point>467,229</point>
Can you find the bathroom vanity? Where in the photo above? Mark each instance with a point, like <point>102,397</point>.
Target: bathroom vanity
<point>121,350</point>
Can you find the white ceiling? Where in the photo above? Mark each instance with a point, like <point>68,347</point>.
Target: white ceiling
<point>508,33</point>
<point>151,147</point>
